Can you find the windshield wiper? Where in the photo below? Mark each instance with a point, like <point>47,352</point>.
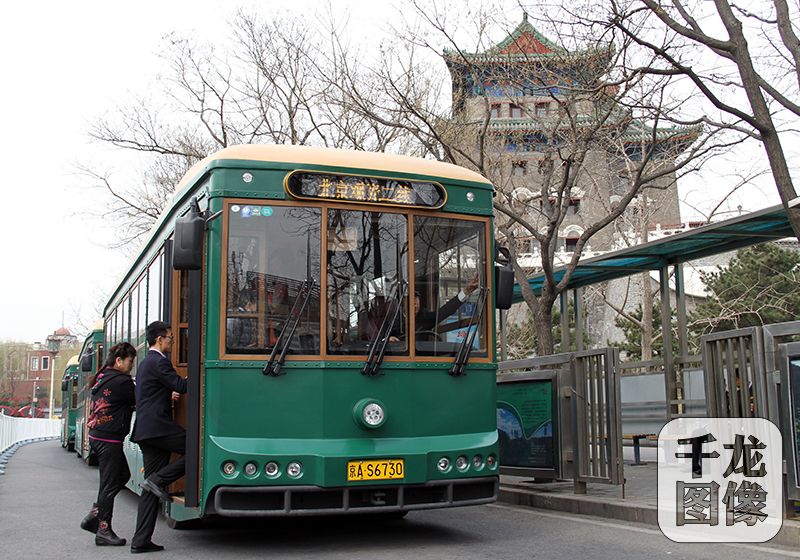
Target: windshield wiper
<point>464,350</point>
<point>275,362</point>
<point>377,347</point>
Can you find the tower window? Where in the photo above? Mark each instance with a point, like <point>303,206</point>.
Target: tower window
<point>570,243</point>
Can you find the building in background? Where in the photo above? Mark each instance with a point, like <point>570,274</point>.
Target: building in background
<point>26,370</point>
<point>521,88</point>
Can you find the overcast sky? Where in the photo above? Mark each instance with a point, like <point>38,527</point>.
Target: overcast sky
<point>64,64</point>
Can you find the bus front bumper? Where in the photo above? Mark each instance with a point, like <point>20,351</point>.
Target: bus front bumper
<point>266,501</point>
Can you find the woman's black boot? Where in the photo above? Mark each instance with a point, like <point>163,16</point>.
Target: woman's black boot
<point>90,522</point>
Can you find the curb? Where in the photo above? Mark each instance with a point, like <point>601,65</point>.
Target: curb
<point>11,449</point>
<point>615,508</point>
<point>609,508</point>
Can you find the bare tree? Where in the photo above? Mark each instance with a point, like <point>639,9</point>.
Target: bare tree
<point>269,84</point>
<point>750,76</point>
<point>13,365</point>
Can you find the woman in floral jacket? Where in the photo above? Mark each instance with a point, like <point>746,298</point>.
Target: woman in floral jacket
<point>109,422</point>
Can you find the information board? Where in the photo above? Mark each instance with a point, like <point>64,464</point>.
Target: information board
<point>525,424</point>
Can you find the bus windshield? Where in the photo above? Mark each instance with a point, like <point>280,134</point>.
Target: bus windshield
<point>272,250</point>
<point>449,267</point>
<point>367,260</point>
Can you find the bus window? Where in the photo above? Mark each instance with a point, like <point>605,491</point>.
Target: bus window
<point>154,282</point>
<point>74,391</point>
<point>183,317</point>
<point>449,264</point>
<point>272,250</point>
<point>367,255</point>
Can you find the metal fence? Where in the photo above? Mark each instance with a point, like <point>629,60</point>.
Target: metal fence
<point>642,388</point>
<point>755,372</point>
<point>587,427</point>
<point>15,430</point>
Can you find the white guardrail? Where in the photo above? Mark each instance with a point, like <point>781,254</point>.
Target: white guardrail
<point>14,430</point>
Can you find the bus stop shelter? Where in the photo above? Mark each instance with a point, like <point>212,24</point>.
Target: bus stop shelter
<point>662,255</point>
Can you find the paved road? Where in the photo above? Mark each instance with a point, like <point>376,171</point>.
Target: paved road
<point>46,491</point>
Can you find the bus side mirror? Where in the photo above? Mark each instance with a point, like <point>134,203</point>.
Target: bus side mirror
<point>65,385</point>
<point>86,362</point>
<point>187,248</point>
<point>503,280</point>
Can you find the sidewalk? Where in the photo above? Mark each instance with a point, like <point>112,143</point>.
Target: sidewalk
<point>639,503</point>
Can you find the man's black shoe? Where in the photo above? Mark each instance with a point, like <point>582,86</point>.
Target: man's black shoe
<point>153,488</point>
<point>149,547</point>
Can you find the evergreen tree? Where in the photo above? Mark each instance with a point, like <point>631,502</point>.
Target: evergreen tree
<point>761,285</point>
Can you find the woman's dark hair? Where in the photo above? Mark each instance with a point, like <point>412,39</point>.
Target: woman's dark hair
<point>122,351</point>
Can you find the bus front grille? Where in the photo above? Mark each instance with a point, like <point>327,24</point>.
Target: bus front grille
<point>248,501</point>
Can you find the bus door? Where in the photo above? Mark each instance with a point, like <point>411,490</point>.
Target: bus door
<point>187,295</point>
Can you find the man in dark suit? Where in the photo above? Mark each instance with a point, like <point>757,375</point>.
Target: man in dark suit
<point>158,435</point>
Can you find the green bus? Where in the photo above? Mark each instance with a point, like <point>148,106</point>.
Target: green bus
<point>333,312</point>
<point>69,403</point>
<point>89,361</point>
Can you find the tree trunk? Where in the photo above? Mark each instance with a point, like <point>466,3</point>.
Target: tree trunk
<point>766,126</point>
<point>544,329</point>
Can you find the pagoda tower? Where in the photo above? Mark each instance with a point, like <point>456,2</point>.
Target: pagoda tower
<point>530,92</point>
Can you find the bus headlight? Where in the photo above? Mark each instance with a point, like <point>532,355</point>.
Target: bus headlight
<point>373,414</point>
<point>477,462</point>
<point>272,469</point>
<point>462,462</point>
<point>370,413</point>
<point>250,469</point>
<point>294,469</point>
<point>228,468</point>
<point>443,464</point>
<point>491,462</point>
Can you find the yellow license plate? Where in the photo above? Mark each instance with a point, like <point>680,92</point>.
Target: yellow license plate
<point>383,469</point>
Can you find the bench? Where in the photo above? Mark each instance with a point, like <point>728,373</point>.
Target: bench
<point>637,438</point>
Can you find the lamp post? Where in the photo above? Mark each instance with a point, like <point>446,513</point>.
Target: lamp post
<point>52,379</point>
<point>34,399</point>
<point>52,347</point>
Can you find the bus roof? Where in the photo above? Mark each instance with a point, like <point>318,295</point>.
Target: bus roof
<point>73,361</point>
<point>334,157</point>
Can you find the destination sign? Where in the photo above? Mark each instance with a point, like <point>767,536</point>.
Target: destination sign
<point>365,190</point>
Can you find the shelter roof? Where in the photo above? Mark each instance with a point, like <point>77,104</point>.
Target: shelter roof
<point>768,224</point>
